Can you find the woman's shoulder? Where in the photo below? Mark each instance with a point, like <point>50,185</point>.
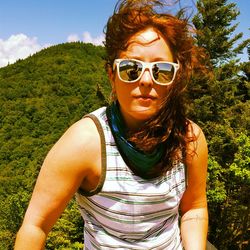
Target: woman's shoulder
<point>194,130</point>
<point>196,142</point>
<point>83,135</point>
<point>77,147</point>
<point>84,129</point>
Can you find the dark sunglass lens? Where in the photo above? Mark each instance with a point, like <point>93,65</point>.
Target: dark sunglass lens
<point>163,72</point>
<point>130,70</point>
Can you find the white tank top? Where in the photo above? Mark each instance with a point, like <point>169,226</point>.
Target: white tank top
<point>126,211</point>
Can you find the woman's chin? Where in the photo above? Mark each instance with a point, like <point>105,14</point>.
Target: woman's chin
<point>143,113</point>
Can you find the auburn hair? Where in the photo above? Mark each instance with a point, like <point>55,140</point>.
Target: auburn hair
<point>170,125</point>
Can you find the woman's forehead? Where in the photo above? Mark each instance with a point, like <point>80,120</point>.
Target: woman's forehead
<point>149,45</point>
<point>147,36</point>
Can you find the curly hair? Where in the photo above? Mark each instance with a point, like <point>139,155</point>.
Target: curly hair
<point>170,125</point>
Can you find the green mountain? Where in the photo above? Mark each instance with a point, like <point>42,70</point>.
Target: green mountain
<point>40,97</point>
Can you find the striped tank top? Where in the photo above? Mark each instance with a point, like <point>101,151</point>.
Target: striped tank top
<point>126,211</point>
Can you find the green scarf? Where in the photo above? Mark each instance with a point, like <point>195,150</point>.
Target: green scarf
<point>140,163</point>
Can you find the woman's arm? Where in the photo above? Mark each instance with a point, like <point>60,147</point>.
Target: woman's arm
<point>71,161</point>
<point>194,221</point>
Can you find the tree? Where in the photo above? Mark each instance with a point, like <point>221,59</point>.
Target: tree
<point>214,20</point>
<point>220,106</point>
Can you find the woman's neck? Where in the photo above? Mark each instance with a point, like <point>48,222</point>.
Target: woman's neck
<point>132,125</point>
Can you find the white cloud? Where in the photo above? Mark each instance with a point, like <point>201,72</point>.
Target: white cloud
<point>87,38</point>
<point>16,47</point>
<point>73,38</point>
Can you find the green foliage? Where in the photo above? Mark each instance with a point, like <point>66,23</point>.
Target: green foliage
<point>221,106</point>
<point>40,97</point>
<point>214,21</point>
<point>240,168</point>
<point>68,231</point>
<point>12,211</point>
<point>216,191</point>
<point>228,197</point>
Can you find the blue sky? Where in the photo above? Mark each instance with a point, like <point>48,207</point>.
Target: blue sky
<point>26,26</point>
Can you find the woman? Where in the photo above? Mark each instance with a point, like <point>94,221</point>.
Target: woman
<point>134,164</point>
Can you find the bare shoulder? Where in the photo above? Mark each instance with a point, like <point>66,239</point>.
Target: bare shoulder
<point>83,134</point>
<point>197,141</point>
<point>77,146</point>
<point>194,129</point>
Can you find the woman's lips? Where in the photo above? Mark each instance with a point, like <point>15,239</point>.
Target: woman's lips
<point>145,97</point>
<point>145,100</point>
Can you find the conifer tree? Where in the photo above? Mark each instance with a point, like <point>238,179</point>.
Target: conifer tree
<point>220,106</point>
<point>215,20</point>
<point>216,33</point>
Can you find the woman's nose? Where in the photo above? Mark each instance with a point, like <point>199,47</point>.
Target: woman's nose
<point>146,79</point>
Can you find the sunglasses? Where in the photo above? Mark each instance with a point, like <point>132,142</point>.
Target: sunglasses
<point>131,70</point>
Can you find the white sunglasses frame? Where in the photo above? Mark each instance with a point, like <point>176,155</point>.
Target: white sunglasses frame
<point>145,65</point>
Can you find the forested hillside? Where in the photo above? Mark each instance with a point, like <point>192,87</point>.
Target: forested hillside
<point>41,96</point>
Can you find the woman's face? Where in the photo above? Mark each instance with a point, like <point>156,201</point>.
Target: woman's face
<point>141,100</point>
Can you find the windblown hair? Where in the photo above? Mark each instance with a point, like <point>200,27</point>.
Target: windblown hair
<point>170,125</point>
